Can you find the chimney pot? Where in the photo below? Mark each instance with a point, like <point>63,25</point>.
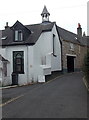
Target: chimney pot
<point>79,30</point>
<point>6,25</point>
<point>79,26</point>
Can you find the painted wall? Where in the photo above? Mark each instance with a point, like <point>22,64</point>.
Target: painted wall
<point>43,50</point>
<point>56,61</point>
<point>38,59</point>
<point>30,67</point>
<point>4,80</point>
<point>1,72</point>
<point>22,78</point>
<point>8,54</point>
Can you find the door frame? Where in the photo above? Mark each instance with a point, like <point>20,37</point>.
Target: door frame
<point>73,67</point>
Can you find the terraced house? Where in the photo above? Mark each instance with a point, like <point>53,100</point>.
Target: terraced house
<point>31,52</point>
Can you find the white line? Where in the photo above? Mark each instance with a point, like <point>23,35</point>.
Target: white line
<point>9,101</point>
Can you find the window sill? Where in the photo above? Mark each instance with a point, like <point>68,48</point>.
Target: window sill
<point>19,72</point>
<point>18,41</point>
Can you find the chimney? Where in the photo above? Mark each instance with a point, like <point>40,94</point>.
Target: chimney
<point>79,30</point>
<point>6,25</point>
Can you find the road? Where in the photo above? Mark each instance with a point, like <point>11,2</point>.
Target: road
<point>64,97</point>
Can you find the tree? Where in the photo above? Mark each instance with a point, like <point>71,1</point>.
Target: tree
<point>86,67</point>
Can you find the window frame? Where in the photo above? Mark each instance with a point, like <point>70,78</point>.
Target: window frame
<point>18,35</point>
<point>54,46</point>
<point>15,64</point>
<point>71,46</point>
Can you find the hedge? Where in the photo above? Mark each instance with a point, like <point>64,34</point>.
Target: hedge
<point>86,67</point>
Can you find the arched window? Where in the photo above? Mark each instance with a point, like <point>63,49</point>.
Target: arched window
<point>18,61</point>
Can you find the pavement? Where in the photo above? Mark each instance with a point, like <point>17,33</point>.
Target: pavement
<point>8,87</point>
<point>13,86</point>
<point>62,97</point>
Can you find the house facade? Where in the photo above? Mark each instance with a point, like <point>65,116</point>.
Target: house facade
<point>74,49</point>
<point>34,51</point>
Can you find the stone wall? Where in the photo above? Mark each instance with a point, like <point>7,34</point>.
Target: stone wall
<point>78,52</point>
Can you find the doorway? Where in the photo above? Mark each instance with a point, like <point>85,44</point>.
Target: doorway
<point>70,63</point>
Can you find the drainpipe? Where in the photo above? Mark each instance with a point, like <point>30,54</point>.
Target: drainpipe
<point>27,66</point>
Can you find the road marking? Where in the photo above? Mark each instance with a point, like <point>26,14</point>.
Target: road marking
<point>9,101</point>
<point>13,99</point>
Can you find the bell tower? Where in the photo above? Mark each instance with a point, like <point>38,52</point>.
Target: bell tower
<point>45,15</point>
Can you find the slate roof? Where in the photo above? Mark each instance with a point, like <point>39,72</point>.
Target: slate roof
<point>72,37</point>
<point>67,35</point>
<point>35,29</point>
<point>8,33</point>
<point>35,32</point>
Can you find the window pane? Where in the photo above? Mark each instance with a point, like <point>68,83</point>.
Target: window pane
<point>18,68</point>
<point>20,36</point>
<point>18,61</point>
<point>71,46</point>
<point>16,35</point>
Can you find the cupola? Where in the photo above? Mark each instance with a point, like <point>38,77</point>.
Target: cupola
<point>45,15</point>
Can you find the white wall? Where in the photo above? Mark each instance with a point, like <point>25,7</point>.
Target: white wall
<point>43,47</point>
<point>56,61</point>
<point>3,52</point>
<point>30,66</point>
<point>1,72</point>
<point>22,78</point>
<point>35,56</point>
<point>28,63</point>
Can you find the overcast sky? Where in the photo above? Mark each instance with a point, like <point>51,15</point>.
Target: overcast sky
<point>66,13</point>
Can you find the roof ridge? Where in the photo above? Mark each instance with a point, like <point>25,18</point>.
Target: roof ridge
<point>33,24</point>
<point>67,30</point>
<point>38,24</point>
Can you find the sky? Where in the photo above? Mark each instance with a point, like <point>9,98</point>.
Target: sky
<point>66,13</point>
